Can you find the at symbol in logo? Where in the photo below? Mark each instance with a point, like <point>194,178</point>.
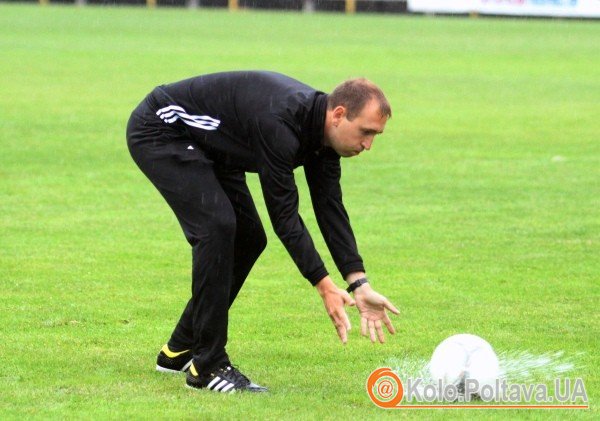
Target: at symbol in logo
<point>385,388</point>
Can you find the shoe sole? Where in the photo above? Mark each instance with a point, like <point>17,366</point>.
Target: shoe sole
<point>210,390</point>
<point>231,391</point>
<point>170,371</point>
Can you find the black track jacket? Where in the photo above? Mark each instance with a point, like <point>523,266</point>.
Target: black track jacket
<point>268,123</point>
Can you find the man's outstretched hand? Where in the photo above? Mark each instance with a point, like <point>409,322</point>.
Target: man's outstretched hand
<point>372,307</point>
<point>334,300</point>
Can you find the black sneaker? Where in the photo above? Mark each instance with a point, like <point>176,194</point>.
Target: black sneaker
<point>168,361</point>
<point>226,379</point>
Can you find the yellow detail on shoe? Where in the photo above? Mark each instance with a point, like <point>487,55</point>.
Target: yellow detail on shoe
<point>193,370</point>
<point>172,354</point>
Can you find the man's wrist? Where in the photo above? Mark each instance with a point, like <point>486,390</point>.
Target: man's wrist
<point>357,284</point>
<point>325,286</point>
<point>354,276</point>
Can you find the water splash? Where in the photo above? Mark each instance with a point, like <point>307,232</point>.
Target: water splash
<point>408,367</point>
<point>515,366</point>
<point>523,366</point>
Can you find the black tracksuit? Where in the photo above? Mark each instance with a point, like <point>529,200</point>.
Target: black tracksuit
<point>195,140</point>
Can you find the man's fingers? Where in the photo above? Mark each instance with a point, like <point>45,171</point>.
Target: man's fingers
<point>363,326</point>
<point>372,331</point>
<point>379,331</point>
<point>342,324</point>
<point>391,307</point>
<point>346,320</point>
<point>389,325</point>
<point>341,330</point>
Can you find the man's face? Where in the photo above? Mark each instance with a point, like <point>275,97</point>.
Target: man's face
<point>351,137</point>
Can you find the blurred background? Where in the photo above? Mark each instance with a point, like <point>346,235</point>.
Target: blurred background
<point>542,8</point>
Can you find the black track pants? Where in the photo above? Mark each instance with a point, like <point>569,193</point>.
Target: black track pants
<point>219,219</point>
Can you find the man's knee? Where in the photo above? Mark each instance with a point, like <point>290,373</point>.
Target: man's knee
<point>220,226</point>
<point>260,239</point>
<point>255,241</point>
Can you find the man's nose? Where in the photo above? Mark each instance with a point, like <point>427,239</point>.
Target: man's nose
<point>367,143</point>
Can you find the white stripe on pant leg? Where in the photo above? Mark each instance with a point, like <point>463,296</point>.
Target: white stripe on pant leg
<point>167,114</point>
<point>200,126</point>
<point>169,108</point>
<point>213,382</point>
<point>199,120</point>
<point>185,115</point>
<point>205,118</point>
<point>172,113</point>
<point>191,121</point>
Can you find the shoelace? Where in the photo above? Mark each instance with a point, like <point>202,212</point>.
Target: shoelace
<point>236,375</point>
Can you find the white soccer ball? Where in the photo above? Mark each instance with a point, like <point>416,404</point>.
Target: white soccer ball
<point>462,357</point>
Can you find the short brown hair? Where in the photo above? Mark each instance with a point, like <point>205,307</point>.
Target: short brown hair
<point>354,95</point>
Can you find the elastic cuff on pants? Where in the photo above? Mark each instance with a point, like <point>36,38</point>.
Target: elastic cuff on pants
<point>203,369</point>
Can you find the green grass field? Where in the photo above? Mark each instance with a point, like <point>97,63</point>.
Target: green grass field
<point>477,211</point>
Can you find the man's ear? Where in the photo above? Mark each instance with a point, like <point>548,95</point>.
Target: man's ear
<point>338,113</point>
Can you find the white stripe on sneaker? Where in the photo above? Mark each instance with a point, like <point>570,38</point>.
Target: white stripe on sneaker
<point>166,370</point>
<point>189,363</point>
<point>213,382</point>
<point>220,385</point>
<point>228,388</point>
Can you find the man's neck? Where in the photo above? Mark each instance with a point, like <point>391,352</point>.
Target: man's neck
<point>327,127</point>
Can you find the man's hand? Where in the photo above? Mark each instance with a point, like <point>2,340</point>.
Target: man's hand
<point>335,299</point>
<point>371,306</point>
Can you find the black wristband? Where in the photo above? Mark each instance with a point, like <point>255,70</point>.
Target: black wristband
<point>356,284</point>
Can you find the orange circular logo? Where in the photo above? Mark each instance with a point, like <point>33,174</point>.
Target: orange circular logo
<point>385,388</point>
